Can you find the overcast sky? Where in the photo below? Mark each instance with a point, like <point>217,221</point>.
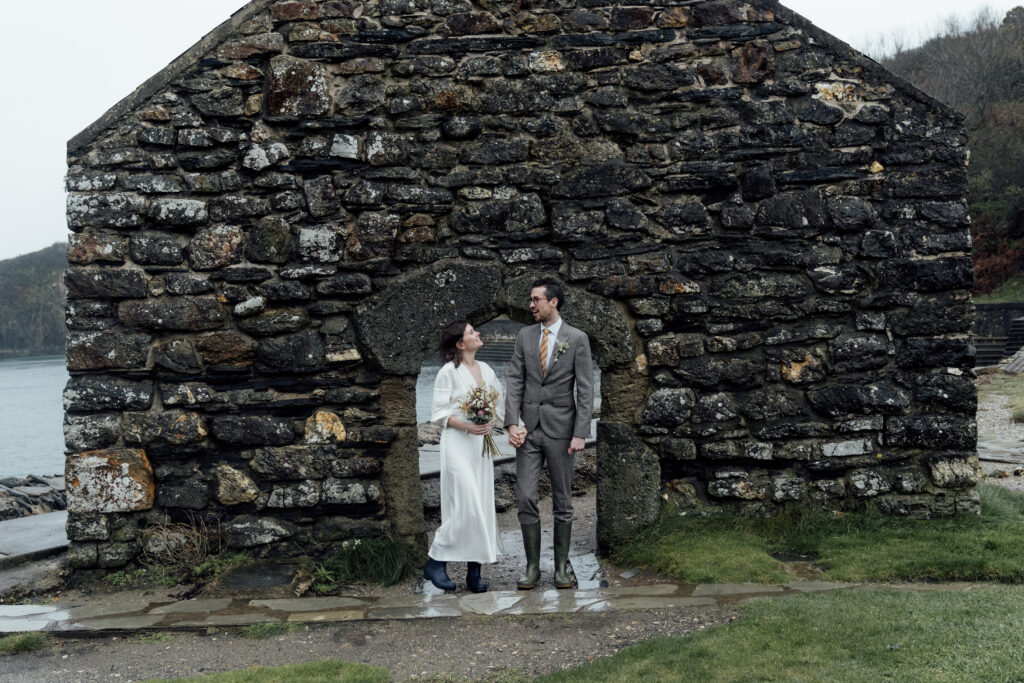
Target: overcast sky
<point>64,63</point>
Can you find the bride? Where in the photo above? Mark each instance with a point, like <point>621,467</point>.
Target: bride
<point>469,525</point>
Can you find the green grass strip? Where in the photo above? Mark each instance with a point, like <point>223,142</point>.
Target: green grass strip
<point>849,635</point>
<point>23,642</point>
<point>868,546</point>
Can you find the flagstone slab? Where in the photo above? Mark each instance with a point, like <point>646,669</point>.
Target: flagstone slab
<point>327,616</point>
<point>115,623</point>
<point>12,611</point>
<point>24,624</point>
<point>656,589</point>
<point>489,603</point>
<point>735,589</point>
<point>107,610</point>
<point>818,586</point>
<point>193,606</point>
<point>554,601</point>
<point>664,602</point>
<point>246,619</point>
<point>308,604</point>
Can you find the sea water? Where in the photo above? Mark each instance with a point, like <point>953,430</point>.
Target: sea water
<point>32,416</point>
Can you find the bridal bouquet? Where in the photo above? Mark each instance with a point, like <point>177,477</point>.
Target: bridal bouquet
<point>480,407</point>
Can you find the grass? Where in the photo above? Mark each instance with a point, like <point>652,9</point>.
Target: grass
<point>166,575</point>
<point>330,671</point>
<point>23,642</point>
<point>1010,386</point>
<point>1009,292</point>
<point>268,630</point>
<point>852,547</point>
<point>840,636</point>
<point>381,560</point>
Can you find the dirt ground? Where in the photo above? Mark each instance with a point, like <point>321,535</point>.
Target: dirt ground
<point>467,648</point>
<point>460,649</point>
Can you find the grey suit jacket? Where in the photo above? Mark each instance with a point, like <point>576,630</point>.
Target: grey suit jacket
<point>547,400</point>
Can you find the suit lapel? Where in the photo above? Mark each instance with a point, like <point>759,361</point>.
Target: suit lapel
<point>562,338</point>
<point>533,351</point>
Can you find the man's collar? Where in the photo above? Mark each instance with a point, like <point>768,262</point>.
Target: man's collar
<point>555,326</point>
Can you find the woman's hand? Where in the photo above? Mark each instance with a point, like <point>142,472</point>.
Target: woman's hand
<point>479,430</point>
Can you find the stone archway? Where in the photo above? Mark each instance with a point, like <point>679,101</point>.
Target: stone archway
<point>397,330</point>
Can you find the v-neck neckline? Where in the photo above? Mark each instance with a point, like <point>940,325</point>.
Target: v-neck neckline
<point>482,382</point>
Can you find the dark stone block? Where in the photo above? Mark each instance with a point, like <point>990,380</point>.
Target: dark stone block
<point>935,352</point>
<point>179,356</point>
<point>89,394</point>
<point>156,249</point>
<point>178,313</point>
<point>930,275</point>
<point>275,321</point>
<point>105,350</point>
<point>105,283</point>
<point>187,283</point>
<point>301,352</point>
<point>951,391</point>
<point>935,315</point>
<point>522,214</point>
<point>881,398</point>
<point>612,178</point>
<point>253,430</point>
<point>931,432</point>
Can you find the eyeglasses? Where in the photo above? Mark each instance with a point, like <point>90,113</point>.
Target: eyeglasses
<point>537,300</point>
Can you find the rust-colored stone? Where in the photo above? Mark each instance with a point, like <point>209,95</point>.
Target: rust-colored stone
<point>754,62</point>
<point>227,348</point>
<point>293,10</point>
<point>86,248</point>
<point>297,87</point>
<point>324,427</point>
<point>676,17</point>
<point>110,480</point>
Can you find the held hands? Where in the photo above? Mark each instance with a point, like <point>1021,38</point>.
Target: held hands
<point>516,436</point>
<point>576,444</point>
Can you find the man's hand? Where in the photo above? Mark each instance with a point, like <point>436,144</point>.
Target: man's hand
<point>576,444</point>
<point>516,436</point>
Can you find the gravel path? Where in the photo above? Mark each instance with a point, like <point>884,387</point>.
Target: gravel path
<point>456,649</point>
<point>995,427</point>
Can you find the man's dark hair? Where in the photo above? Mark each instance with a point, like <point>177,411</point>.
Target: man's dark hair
<point>552,289</point>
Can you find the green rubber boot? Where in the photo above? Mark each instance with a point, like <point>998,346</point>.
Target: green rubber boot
<point>563,541</point>
<point>531,543</point>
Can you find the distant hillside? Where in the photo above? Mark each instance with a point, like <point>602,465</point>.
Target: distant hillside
<point>32,303</point>
<point>979,70</point>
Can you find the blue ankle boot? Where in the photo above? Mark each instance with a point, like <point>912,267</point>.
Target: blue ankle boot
<point>437,573</point>
<point>473,581</point>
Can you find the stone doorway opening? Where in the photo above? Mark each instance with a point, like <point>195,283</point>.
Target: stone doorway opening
<point>499,336</point>
<point>393,330</point>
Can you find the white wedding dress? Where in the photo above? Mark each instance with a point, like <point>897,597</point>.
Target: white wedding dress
<point>469,525</point>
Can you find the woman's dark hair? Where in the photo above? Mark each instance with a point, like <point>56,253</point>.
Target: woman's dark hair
<point>451,336</point>
<point>552,289</point>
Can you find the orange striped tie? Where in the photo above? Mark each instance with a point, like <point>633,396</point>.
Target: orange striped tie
<point>544,353</point>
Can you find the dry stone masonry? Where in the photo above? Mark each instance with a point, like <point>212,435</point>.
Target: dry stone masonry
<point>763,232</point>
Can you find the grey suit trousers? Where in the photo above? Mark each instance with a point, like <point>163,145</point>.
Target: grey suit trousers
<point>539,448</point>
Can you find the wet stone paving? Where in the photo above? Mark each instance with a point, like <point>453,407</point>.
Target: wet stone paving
<point>426,603</point>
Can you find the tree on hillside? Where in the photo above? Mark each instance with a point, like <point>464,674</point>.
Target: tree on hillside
<point>32,308</point>
<point>979,70</point>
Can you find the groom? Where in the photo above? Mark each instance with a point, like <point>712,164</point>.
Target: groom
<point>550,359</point>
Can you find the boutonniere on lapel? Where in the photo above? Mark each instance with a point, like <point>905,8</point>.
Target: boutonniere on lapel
<point>560,348</point>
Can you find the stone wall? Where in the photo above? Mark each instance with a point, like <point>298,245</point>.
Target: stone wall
<point>763,233</point>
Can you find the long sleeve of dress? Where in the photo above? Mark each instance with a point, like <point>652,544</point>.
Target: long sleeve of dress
<point>443,405</point>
